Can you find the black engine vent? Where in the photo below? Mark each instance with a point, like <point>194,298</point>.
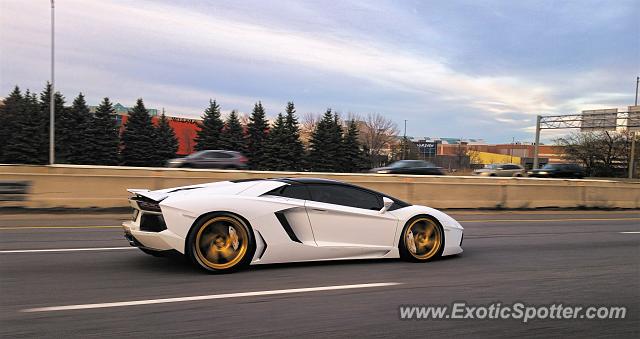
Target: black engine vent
<point>152,223</point>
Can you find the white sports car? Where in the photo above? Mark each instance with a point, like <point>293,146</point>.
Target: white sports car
<point>227,225</point>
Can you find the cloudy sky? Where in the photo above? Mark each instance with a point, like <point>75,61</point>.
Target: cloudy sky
<point>473,69</point>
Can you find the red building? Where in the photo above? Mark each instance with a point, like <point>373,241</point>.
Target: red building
<point>184,128</point>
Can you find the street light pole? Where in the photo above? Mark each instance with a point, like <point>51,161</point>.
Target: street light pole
<point>637,82</point>
<point>632,134</point>
<point>535,146</point>
<point>404,141</point>
<point>52,110</point>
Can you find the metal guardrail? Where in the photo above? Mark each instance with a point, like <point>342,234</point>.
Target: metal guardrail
<point>14,190</point>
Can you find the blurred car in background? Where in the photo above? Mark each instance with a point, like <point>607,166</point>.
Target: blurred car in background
<point>558,171</point>
<point>419,167</point>
<point>501,170</point>
<point>211,159</point>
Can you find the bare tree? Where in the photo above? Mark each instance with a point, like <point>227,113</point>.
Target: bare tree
<point>308,125</point>
<point>601,153</point>
<point>187,136</point>
<point>244,118</point>
<point>377,134</point>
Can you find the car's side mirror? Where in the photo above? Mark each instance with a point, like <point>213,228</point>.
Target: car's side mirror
<point>386,204</point>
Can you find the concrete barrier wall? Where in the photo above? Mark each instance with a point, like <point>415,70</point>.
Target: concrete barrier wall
<point>74,186</point>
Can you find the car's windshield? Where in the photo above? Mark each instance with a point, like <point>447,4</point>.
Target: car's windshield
<point>551,166</point>
<point>492,166</point>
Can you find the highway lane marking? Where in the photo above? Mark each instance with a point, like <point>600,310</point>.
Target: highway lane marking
<point>461,221</point>
<point>543,220</point>
<point>53,227</point>
<point>630,232</point>
<point>69,249</point>
<point>206,297</point>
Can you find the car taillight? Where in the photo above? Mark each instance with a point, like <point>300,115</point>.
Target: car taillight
<point>243,159</point>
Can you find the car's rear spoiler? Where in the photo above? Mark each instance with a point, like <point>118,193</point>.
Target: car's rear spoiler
<point>153,195</point>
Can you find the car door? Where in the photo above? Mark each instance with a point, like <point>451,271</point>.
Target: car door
<point>212,159</point>
<point>347,216</point>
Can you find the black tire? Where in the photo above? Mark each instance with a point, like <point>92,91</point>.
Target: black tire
<point>406,253</point>
<point>220,243</point>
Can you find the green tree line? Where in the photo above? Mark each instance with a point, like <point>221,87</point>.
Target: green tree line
<point>83,137</point>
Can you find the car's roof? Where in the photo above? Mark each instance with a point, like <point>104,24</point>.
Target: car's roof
<point>309,181</point>
<point>296,180</point>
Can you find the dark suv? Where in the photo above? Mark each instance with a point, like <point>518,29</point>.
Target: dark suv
<point>558,171</point>
<point>211,159</point>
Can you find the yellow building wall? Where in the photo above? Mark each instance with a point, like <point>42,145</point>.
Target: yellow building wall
<point>486,158</point>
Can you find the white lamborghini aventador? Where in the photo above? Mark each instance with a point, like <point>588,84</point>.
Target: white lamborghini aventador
<point>227,225</point>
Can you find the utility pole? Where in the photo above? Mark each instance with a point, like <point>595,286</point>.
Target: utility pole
<point>535,146</point>
<point>52,109</point>
<point>632,135</point>
<point>513,141</point>
<point>637,82</point>
<point>404,141</point>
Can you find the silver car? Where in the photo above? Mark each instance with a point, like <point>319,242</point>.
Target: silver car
<point>211,159</point>
<point>501,170</point>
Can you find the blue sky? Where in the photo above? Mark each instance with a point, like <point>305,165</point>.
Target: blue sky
<point>473,69</point>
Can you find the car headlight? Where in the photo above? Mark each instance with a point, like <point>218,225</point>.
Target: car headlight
<point>384,171</point>
<point>543,172</point>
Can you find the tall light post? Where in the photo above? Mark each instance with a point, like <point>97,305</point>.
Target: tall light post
<point>632,134</point>
<point>52,109</point>
<point>404,141</point>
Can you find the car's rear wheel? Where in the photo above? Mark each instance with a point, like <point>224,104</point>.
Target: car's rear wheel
<point>221,243</point>
<point>422,239</point>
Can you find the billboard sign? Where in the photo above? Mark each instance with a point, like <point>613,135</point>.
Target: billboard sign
<point>427,148</point>
<point>599,120</point>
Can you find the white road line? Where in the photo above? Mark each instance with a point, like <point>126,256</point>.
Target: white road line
<point>630,232</point>
<point>69,249</point>
<point>206,297</point>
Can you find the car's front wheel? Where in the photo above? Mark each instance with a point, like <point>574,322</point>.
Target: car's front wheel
<point>221,242</point>
<point>422,239</point>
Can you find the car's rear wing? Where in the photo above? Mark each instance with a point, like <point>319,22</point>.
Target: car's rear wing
<point>153,195</point>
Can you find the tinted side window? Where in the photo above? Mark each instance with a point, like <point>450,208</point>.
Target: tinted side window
<point>210,155</point>
<point>291,191</point>
<point>345,196</point>
<point>225,155</point>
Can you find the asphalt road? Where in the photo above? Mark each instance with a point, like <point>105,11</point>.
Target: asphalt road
<point>574,258</point>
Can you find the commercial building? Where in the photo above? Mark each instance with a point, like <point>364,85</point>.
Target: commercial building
<point>184,128</point>
<point>479,152</point>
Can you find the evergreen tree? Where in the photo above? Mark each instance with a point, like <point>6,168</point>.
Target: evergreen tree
<point>275,147</point>
<point>325,145</point>
<point>232,136</point>
<point>45,114</point>
<point>24,145</point>
<point>139,138</point>
<point>71,136</point>
<point>208,137</point>
<point>257,131</point>
<point>10,112</point>
<point>294,148</point>
<point>103,141</point>
<point>167,142</point>
<point>354,157</point>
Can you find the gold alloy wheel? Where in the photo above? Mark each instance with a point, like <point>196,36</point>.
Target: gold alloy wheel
<point>221,242</point>
<point>422,238</point>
